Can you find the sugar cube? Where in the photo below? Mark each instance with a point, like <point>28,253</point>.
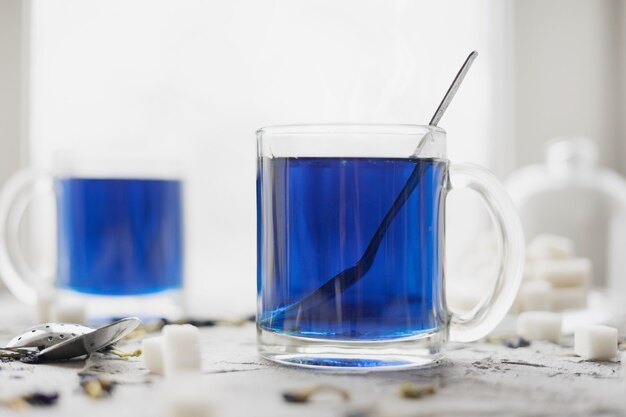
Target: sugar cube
<point>565,273</point>
<point>529,272</point>
<point>185,396</point>
<point>595,341</point>
<point>539,325</point>
<point>69,312</point>
<point>550,247</point>
<point>536,295</point>
<point>181,349</point>
<point>152,348</point>
<point>569,298</point>
<point>45,305</point>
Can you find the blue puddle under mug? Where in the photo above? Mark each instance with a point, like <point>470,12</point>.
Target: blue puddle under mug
<point>119,234</point>
<point>351,245</point>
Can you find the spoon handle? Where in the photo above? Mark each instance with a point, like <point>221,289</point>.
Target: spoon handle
<point>445,102</point>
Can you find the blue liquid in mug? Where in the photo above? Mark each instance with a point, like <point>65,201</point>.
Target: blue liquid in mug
<point>316,218</point>
<point>119,236</point>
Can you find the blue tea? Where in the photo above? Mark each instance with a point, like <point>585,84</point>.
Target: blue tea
<point>318,219</point>
<point>119,236</point>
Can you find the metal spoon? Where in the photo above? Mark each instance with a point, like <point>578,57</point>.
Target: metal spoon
<point>90,342</point>
<point>348,277</point>
<point>445,102</point>
<point>48,342</point>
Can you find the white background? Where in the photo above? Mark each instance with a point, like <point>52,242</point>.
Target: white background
<point>200,77</point>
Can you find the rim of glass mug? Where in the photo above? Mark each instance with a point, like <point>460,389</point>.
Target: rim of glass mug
<point>357,140</point>
<point>137,164</point>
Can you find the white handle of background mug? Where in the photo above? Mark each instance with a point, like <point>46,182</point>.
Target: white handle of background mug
<point>15,197</point>
<point>493,307</point>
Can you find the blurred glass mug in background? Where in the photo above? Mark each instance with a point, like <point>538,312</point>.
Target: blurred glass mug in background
<point>119,234</point>
<point>351,246</point>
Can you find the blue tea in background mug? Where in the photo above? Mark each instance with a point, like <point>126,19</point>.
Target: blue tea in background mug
<point>119,236</point>
<point>119,233</point>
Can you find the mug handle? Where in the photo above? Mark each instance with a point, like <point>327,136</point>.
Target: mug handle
<point>15,197</point>
<point>484,317</point>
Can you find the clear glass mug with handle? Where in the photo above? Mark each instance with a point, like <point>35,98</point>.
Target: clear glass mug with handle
<point>351,243</point>
<point>119,233</point>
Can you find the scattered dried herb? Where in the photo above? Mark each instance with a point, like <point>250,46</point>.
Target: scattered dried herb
<point>512,342</point>
<point>42,399</point>
<point>518,342</point>
<point>36,399</point>
<point>303,396</point>
<point>567,354</point>
<point>114,350</point>
<point>522,363</point>
<point>97,387</point>
<point>414,391</point>
<point>157,325</point>
<point>23,355</point>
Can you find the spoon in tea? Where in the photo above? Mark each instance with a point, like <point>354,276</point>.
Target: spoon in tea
<point>348,277</point>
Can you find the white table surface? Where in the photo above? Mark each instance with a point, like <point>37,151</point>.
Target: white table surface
<point>476,379</point>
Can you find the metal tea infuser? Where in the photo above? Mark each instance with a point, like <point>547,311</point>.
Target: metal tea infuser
<point>63,341</point>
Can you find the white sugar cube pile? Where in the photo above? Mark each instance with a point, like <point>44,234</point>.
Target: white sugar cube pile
<point>181,349</point>
<point>539,325</point>
<point>564,273</point>
<point>152,348</point>
<point>550,247</point>
<point>595,342</point>
<point>569,298</point>
<point>536,295</point>
<point>554,279</point>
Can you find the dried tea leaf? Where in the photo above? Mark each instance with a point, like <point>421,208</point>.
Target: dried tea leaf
<point>36,399</point>
<point>303,396</point>
<point>26,355</point>
<point>414,391</point>
<point>17,403</point>
<point>40,399</point>
<point>114,350</point>
<point>510,341</point>
<point>517,342</point>
<point>522,363</point>
<point>97,387</point>
<point>295,397</point>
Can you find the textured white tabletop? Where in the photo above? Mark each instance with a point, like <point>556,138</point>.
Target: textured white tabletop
<point>475,379</point>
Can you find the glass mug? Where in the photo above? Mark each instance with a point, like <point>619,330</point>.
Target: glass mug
<point>350,254</point>
<point>119,234</point>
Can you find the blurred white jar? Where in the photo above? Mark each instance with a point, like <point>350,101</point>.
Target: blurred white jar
<point>571,196</point>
